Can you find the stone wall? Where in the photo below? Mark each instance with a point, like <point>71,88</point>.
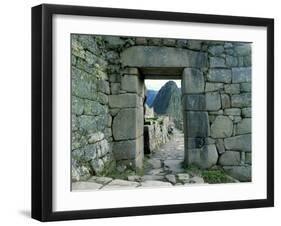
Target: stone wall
<point>108,95</point>
<point>157,131</point>
<point>217,105</point>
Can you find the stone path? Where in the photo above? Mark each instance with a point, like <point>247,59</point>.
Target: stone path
<point>162,168</point>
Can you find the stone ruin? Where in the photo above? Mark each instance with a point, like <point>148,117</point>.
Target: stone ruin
<point>108,93</point>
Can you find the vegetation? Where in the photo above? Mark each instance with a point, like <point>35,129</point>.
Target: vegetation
<point>211,176</point>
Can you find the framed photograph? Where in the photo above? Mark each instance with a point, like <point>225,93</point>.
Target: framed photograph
<point>145,112</point>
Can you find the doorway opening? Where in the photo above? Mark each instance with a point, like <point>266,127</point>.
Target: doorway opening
<point>163,129</point>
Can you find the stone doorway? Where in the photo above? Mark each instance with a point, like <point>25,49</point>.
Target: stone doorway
<point>158,62</point>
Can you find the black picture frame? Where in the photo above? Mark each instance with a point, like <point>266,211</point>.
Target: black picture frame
<point>42,111</point>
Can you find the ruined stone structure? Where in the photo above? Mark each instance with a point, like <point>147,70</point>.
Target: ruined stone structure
<point>108,92</point>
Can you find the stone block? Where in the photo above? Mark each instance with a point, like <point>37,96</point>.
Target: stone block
<point>232,88</point>
<point>141,41</point>
<point>127,100</point>
<point>127,149</point>
<point>192,81</point>
<point>225,101</point>
<point>115,87</point>
<point>204,157</point>
<point>241,100</point>
<point>103,86</point>
<point>194,102</point>
<point>247,112</point>
<point>196,142</point>
<point>222,127</point>
<point>213,86</point>
<point>241,173</point>
<point>197,124</point>
<point>239,143</point>
<point>232,111</point>
<point>217,62</point>
<point>220,146</point>
<point>194,44</point>
<point>128,124</point>
<point>230,158</point>
<point>130,83</point>
<point>246,87</point>
<point>219,75</point>
<point>242,74</point>
<point>248,158</point>
<point>216,50</point>
<point>243,49</point>
<point>213,101</point>
<point>244,126</point>
<point>231,61</point>
<point>153,56</point>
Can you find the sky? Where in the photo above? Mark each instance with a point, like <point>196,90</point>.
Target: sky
<point>157,84</point>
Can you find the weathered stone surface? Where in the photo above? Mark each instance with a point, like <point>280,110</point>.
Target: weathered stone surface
<point>130,83</point>
<point>79,171</point>
<point>113,41</point>
<point>246,87</point>
<point>225,101</point>
<point>213,86</point>
<point>119,184</point>
<point>171,178</point>
<point>83,84</point>
<point>244,126</point>
<point>92,123</point>
<point>197,124</point>
<point>204,157</point>
<point>155,183</point>
<point>231,61</point>
<point>78,186</point>
<point>103,86</point>
<point>155,163</point>
<point>196,142</point>
<point>95,137</point>
<point>194,44</point>
<point>94,108</point>
<point>241,173</point>
<point>193,81</point>
<point>232,88</point>
<point>213,101</point>
<point>123,100</point>
<point>220,146</point>
<point>152,177</point>
<point>239,143</point>
<point>241,74</point>
<point>194,102</point>
<point>243,49</point>
<point>219,75</point>
<point>241,100</point>
<point>100,180</point>
<point>141,41</point>
<point>217,62</point>
<point>222,127</point>
<point>232,111</point>
<point>174,165</point>
<point>183,177</point>
<point>128,124</point>
<point>135,178</point>
<point>152,56</point>
<point>77,105</point>
<point>230,158</point>
<point>129,149</point>
<point>195,180</point>
<point>248,158</point>
<point>247,112</point>
<point>169,42</point>
<point>216,50</point>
